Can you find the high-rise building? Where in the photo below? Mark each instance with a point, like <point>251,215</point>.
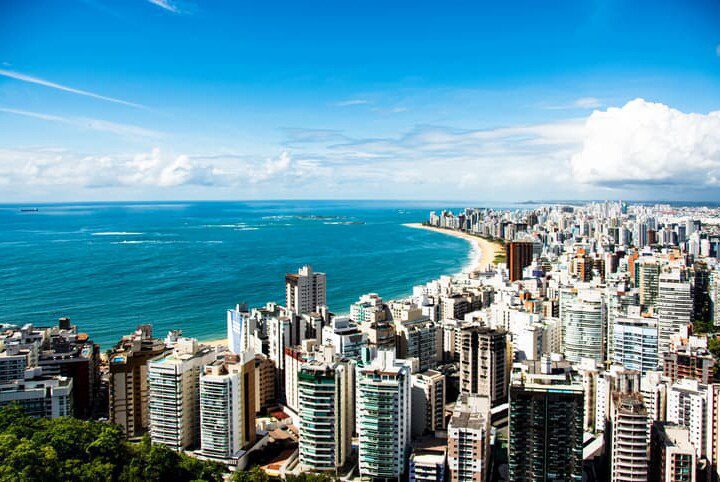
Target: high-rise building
<point>687,406</point>
<point>427,465</point>
<point>689,358</point>
<point>295,357</point>
<point>327,413</point>
<point>227,407</point>
<point>454,306</point>
<point>418,339</point>
<point>590,373</point>
<point>630,434</point>
<point>380,334</point>
<point>174,383</point>
<point>674,306</point>
<point>647,273</point>
<point>485,359</point>
<point>280,336</point>
<point>128,384</point>
<point>237,331</point>
<point>519,255</point>
<point>616,379</point>
<point>428,402</point>
<point>545,423</point>
<point>69,353</point>
<point>635,343</point>
<point>654,386</point>
<point>368,309</point>
<point>344,334</point>
<point>13,362</point>
<point>383,416</point>
<point>672,456</point>
<point>265,394</point>
<point>619,304</point>
<point>585,327</point>
<point>469,439</point>
<point>304,291</point>
<point>39,395</point>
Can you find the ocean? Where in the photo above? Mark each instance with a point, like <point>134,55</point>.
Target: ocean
<point>112,266</point>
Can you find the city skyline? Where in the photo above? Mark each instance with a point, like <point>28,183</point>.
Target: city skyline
<point>161,100</point>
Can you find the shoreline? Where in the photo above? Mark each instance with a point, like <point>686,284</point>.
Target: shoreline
<point>483,250</point>
<point>488,249</point>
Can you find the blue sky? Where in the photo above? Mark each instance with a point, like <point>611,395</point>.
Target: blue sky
<point>105,100</point>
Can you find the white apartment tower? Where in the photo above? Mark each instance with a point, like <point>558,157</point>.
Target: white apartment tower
<point>304,291</point>
<point>674,306</point>
<point>687,406</point>
<point>227,406</point>
<point>237,329</point>
<point>585,327</point>
<point>428,402</point>
<point>383,416</point>
<point>630,435</point>
<point>174,400</point>
<point>635,343</point>
<point>39,395</point>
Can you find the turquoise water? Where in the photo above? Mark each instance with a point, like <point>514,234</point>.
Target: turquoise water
<point>112,266</point>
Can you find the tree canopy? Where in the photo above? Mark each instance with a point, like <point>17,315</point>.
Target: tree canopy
<point>69,449</point>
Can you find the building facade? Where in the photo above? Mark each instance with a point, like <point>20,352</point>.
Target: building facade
<point>327,414</point>
<point>227,407</point>
<point>383,416</point>
<point>128,384</point>
<point>469,439</point>
<point>305,291</point>
<point>174,385</point>
<point>485,363</point>
<point>545,424</point>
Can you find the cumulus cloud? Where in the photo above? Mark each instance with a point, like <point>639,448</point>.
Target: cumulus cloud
<point>49,167</point>
<point>649,143</point>
<point>623,150</point>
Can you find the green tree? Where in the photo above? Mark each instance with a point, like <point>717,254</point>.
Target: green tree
<point>256,474</point>
<point>714,347</point>
<point>68,449</point>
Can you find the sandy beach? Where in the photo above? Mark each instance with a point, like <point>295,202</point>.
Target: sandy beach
<point>488,249</point>
<point>221,342</point>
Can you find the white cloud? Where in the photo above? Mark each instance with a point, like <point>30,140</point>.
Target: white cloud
<point>350,102</point>
<point>165,5</point>
<point>32,167</point>
<point>49,167</point>
<point>273,167</point>
<point>125,130</point>
<point>391,110</point>
<point>46,83</point>
<point>624,151</point>
<point>581,103</point>
<point>240,169</point>
<point>649,143</point>
<point>157,170</point>
<point>588,103</point>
